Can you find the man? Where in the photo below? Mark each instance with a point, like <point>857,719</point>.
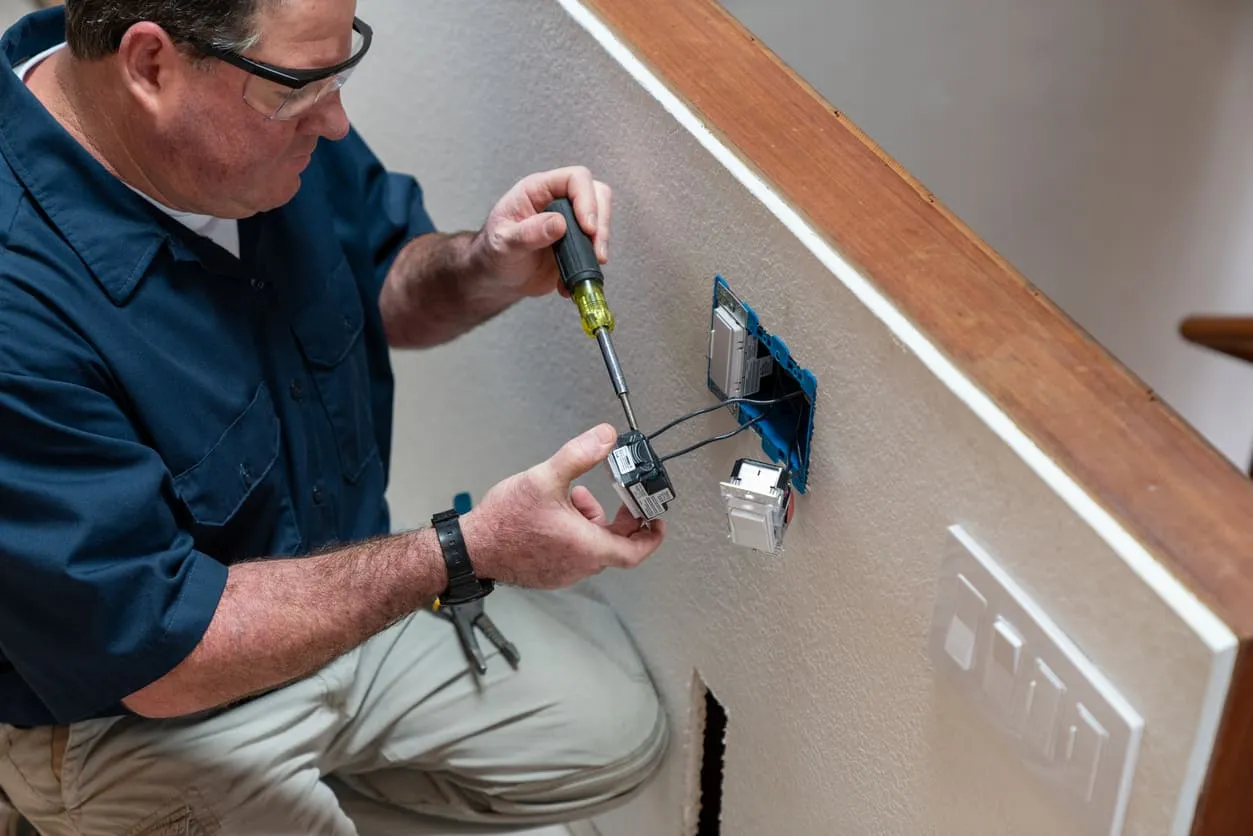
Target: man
<point>204,627</point>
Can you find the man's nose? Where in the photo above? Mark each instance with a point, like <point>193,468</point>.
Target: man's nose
<point>328,118</point>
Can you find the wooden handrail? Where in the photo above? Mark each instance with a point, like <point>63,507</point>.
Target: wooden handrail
<point>1114,437</point>
<point>1231,335</point>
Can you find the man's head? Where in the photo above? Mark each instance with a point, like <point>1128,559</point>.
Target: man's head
<point>218,103</point>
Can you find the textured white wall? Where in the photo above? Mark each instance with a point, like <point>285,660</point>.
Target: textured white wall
<point>1075,169</point>
<point>836,723</point>
<point>11,10</point>
<point>1101,147</point>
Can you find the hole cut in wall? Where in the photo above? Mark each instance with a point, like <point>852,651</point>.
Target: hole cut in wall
<point>707,761</point>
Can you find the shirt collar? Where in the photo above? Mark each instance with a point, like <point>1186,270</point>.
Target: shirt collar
<point>114,232</point>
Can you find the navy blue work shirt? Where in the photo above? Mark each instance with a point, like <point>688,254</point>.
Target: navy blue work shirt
<point>167,409</point>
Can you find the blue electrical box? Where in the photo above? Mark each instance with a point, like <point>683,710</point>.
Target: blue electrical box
<point>746,360</point>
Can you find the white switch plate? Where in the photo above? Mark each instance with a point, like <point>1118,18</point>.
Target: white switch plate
<point>1052,706</point>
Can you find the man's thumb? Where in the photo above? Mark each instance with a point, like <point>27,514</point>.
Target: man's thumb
<point>540,231</point>
<point>584,452</point>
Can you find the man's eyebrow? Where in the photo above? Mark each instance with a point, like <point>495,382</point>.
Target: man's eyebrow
<point>327,57</point>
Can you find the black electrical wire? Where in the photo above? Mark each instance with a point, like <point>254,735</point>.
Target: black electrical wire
<point>796,437</point>
<point>722,437</point>
<point>721,405</point>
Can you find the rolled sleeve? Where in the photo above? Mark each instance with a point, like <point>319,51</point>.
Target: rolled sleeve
<point>101,592</point>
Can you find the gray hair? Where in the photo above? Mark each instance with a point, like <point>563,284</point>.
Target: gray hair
<point>94,28</point>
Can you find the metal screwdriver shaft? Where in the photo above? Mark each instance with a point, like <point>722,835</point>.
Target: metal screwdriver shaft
<point>615,373</point>
<point>583,279</point>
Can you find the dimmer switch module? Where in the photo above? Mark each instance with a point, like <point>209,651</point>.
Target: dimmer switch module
<point>639,476</point>
<point>735,369</point>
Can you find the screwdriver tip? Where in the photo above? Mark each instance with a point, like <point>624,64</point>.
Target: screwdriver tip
<point>630,413</point>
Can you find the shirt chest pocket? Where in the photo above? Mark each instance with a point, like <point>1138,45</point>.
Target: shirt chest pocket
<point>330,335</point>
<point>236,493</point>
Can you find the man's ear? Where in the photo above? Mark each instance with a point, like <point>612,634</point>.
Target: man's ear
<point>150,64</point>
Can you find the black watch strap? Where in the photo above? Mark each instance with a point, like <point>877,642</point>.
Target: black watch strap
<point>463,585</point>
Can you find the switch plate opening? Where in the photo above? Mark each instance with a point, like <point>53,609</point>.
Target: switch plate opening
<point>746,360</point>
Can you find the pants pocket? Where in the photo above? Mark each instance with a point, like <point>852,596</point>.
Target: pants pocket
<point>71,745</point>
<point>60,741</point>
<point>181,817</point>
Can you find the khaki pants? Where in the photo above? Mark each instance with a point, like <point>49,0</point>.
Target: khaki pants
<point>397,736</point>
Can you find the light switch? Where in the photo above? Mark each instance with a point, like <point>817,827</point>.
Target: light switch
<point>1051,705</point>
<point>963,630</point>
<point>727,349</point>
<point>1003,661</point>
<point>1085,739</point>
<point>1044,702</point>
<point>751,530</point>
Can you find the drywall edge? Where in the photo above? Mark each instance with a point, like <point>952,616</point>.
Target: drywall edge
<point>1201,619</point>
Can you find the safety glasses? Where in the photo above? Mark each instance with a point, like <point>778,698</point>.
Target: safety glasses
<point>280,93</point>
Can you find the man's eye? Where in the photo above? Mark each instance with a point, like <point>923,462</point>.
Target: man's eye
<point>268,93</point>
<point>309,91</point>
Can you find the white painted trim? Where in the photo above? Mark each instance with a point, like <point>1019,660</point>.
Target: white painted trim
<point>1208,626</point>
<point>1206,734</point>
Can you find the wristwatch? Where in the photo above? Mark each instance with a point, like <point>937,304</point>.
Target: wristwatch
<point>463,585</point>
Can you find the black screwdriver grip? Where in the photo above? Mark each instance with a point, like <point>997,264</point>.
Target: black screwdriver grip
<point>576,257</point>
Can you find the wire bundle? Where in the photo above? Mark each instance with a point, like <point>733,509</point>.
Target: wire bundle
<point>715,407</point>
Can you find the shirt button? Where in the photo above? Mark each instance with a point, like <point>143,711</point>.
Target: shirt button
<point>297,390</point>
<point>318,496</point>
<point>245,473</point>
<point>258,284</point>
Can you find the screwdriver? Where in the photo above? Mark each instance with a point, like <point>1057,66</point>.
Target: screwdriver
<point>583,279</point>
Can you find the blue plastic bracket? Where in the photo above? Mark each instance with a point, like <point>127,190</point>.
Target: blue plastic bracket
<point>786,434</point>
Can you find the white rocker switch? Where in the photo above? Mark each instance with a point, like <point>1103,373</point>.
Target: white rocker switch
<point>963,630</point>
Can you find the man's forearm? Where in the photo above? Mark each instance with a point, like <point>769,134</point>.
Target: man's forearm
<point>437,289</point>
<point>282,619</point>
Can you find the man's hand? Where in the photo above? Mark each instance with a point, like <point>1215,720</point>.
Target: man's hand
<point>440,286</point>
<point>532,530</point>
<point>515,242</point>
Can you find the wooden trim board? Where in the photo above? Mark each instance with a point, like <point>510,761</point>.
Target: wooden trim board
<point>1141,463</point>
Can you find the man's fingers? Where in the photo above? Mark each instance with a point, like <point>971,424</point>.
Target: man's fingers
<point>587,505</point>
<point>631,541</point>
<point>604,211</point>
<point>581,189</point>
<point>575,182</point>
<point>581,454</point>
<point>535,233</point>
<point>624,525</point>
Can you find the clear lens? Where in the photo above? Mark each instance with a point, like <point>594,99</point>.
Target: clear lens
<point>279,102</point>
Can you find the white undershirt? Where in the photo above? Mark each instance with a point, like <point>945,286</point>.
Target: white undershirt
<point>222,231</point>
